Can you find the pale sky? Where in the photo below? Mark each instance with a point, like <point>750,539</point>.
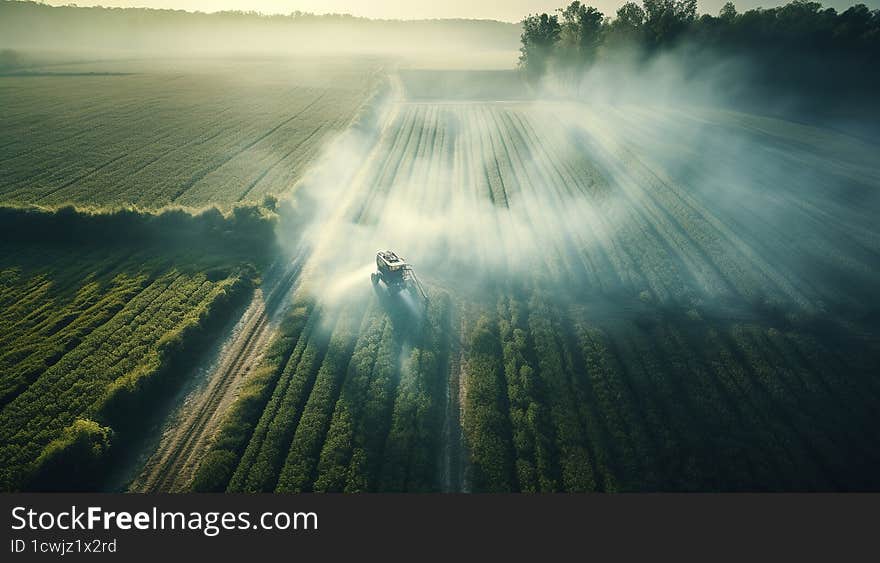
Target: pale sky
<point>505,10</point>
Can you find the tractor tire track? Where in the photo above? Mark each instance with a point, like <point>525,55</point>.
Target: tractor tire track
<point>173,465</point>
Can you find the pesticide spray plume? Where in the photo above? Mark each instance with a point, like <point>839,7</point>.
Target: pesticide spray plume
<point>642,178</point>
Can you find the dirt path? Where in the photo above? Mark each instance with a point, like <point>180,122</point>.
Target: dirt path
<point>454,471</point>
<point>186,438</point>
<point>451,455</point>
<point>460,390</point>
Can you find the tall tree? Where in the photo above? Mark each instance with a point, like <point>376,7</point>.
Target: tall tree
<point>667,20</point>
<point>581,35</point>
<point>727,13</point>
<point>627,26</point>
<point>539,37</point>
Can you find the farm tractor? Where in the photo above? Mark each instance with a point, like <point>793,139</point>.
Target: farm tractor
<point>396,274</point>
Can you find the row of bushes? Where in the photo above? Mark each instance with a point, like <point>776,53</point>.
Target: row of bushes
<point>485,421</point>
<point>676,404</point>
<point>410,452</point>
<point>248,229</point>
<point>526,413</point>
<point>298,471</point>
<point>537,469</point>
<point>347,462</point>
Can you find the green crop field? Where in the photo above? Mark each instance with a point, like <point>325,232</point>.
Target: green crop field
<point>350,400</point>
<point>101,314</point>
<point>183,132</point>
<point>616,304</point>
<point>89,327</point>
<point>630,276</point>
<point>79,328</point>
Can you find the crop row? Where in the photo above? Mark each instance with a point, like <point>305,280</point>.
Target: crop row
<point>87,334</point>
<point>622,330</point>
<point>768,227</point>
<point>650,382</point>
<point>558,401</point>
<point>354,403</point>
<point>661,340</point>
<point>602,213</point>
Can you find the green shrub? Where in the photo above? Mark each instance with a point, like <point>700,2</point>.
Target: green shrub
<point>73,461</point>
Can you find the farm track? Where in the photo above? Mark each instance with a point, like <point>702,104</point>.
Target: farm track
<point>173,465</point>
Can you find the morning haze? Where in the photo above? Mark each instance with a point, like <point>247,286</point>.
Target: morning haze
<point>503,10</point>
<point>317,253</point>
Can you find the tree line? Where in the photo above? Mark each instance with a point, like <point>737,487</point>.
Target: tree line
<point>248,228</point>
<point>577,36</point>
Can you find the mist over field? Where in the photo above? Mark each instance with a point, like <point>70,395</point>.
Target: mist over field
<point>650,210</point>
<point>647,242</point>
<point>89,33</point>
<point>474,209</point>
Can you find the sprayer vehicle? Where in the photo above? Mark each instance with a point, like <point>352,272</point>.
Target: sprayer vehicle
<point>397,274</point>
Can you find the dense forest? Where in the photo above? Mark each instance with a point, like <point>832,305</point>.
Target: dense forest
<point>581,34</point>
<point>799,47</point>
